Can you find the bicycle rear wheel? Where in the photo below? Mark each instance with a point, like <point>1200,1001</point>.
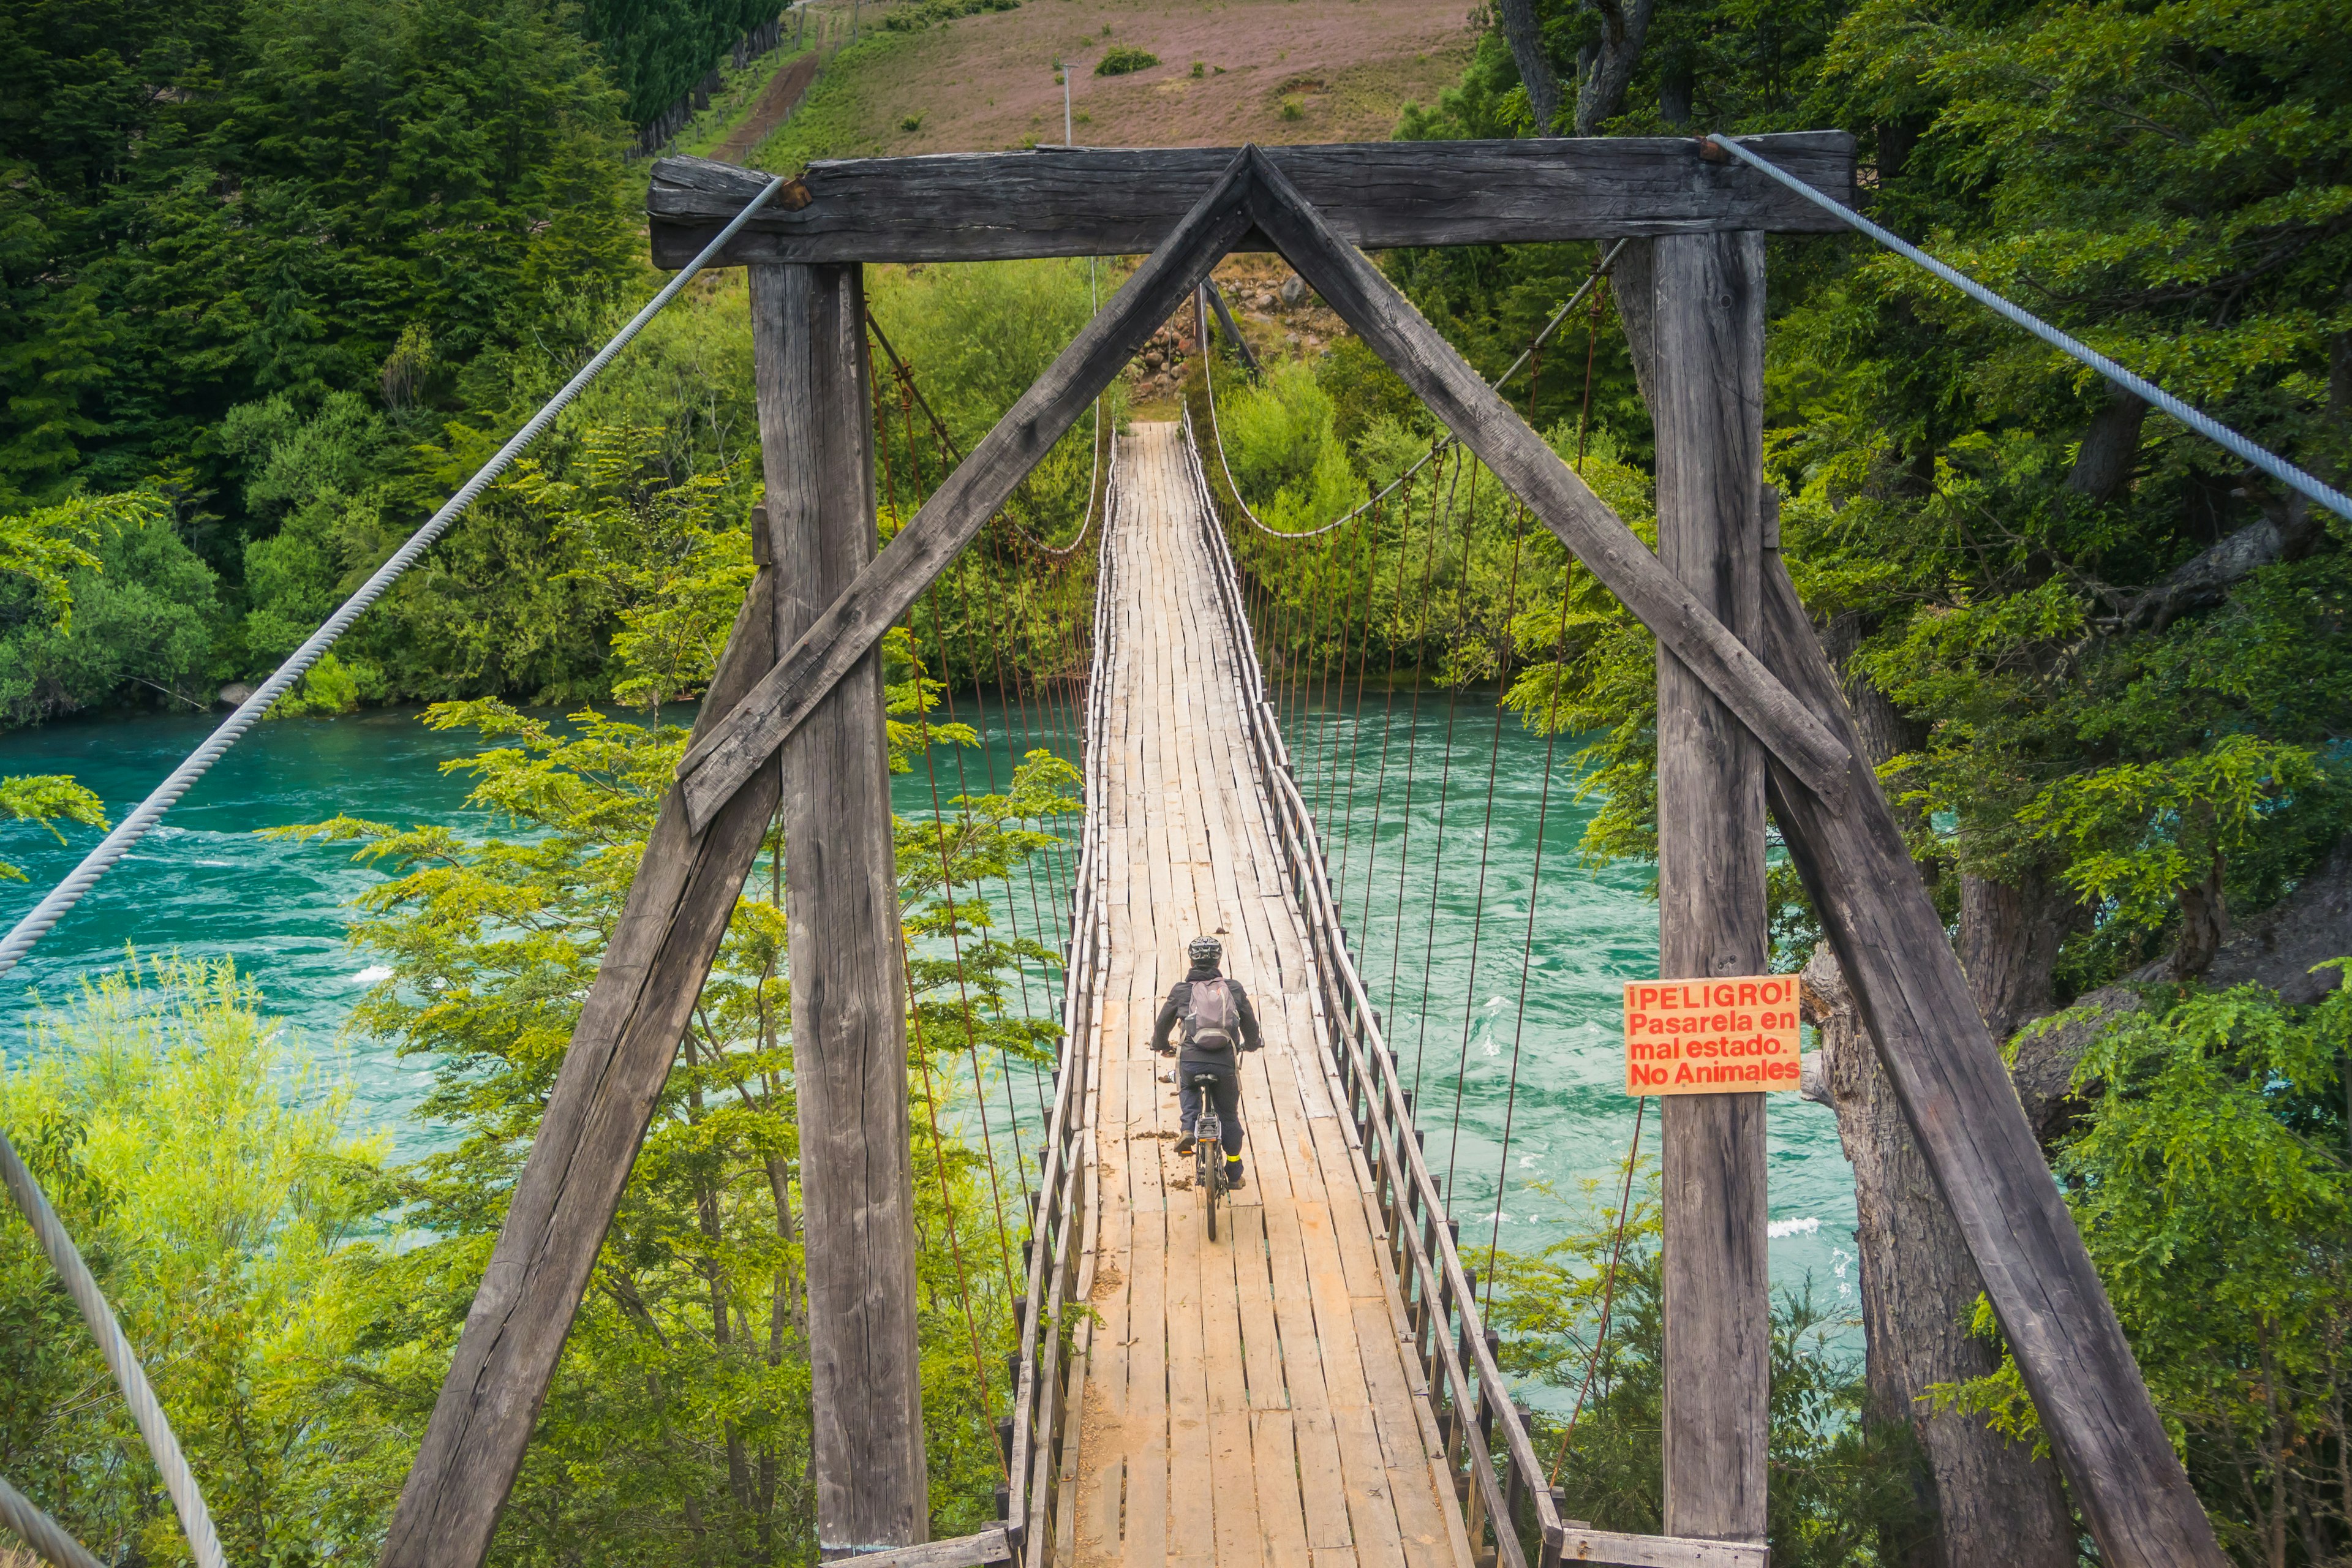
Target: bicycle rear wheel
<point>1208,1169</point>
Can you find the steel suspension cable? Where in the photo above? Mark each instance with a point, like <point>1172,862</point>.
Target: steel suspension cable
<point>947,877</point>
<point>947,1198</point>
<point>939,820</point>
<point>1478,901</point>
<point>1388,714</point>
<point>1356,728</point>
<point>147,1412</point>
<point>1534,344</point>
<point>1413,731</point>
<point>1543,812</point>
<point>1608,1292</point>
<point>1444,799</point>
<point>2147,391</point>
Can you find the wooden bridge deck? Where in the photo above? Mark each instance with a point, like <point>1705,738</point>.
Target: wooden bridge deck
<point>1249,1400</point>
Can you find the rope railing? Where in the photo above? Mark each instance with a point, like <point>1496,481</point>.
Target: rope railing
<point>1465,1385</point>
<point>1060,1245</point>
<point>1509,1504</point>
<point>179,1481</point>
<point>2147,391</point>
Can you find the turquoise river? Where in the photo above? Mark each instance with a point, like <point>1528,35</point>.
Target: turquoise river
<point>207,883</point>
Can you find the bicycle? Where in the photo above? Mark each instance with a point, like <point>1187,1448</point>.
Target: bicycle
<point>1209,1146</point>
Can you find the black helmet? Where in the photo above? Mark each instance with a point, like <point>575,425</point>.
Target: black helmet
<point>1205,952</point>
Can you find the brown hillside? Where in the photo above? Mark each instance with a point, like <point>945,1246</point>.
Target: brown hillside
<point>1345,68</point>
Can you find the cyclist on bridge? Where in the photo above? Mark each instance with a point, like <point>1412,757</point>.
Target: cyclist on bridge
<point>1218,1024</point>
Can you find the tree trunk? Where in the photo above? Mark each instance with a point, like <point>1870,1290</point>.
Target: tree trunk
<point>1990,1498</point>
<point>2010,937</point>
<point>1993,1501</point>
<point>1518,17</point>
<point>1607,67</point>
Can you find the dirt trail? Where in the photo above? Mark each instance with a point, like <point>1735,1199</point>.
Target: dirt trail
<point>778,98</point>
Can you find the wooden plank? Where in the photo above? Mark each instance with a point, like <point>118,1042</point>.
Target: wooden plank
<point>603,1098</point>
<point>1371,1513</point>
<point>1274,1442</point>
<point>1582,1544</point>
<point>1533,472</point>
<point>961,1551</point>
<point>1707,399</point>
<point>981,206</point>
<point>716,766</point>
<point>841,918</point>
<point>1958,1099</point>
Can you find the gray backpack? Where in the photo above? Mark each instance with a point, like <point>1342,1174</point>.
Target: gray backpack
<point>1208,1020</point>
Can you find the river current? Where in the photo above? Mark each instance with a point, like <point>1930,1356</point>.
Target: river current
<point>206,883</point>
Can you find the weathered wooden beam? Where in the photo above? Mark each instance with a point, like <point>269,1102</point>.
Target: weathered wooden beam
<point>1534,472</point>
<point>1225,319</point>
<point>1581,1543</point>
<point>1956,1094</point>
<point>1708,402</point>
<point>717,766</point>
<point>841,927</point>
<point>980,1550</point>
<point>1089,201</point>
<point>605,1094</point>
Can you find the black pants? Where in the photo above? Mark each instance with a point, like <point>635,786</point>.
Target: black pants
<point>1224,1093</point>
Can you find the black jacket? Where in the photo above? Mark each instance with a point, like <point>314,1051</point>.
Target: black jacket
<point>1179,997</point>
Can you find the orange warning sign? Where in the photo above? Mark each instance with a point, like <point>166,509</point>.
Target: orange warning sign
<point>1727,1035</point>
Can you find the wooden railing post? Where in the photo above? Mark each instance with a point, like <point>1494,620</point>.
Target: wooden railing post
<point>1707,405</point>
<point>840,917</point>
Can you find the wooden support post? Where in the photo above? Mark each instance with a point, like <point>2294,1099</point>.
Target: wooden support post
<point>1707,407</point>
<point>840,917</point>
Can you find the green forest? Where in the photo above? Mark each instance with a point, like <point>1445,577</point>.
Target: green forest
<point>279,274</point>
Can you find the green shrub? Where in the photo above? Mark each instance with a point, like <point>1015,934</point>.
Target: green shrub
<point>331,687</point>
<point>1292,109</point>
<point>914,18</point>
<point>1126,61</point>
<point>142,622</point>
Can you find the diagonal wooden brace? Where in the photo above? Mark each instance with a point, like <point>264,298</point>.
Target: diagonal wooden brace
<point>719,764</point>
<point>1955,1092</point>
<point>1490,427</point>
<point>612,1074</point>
<point>1957,1097</point>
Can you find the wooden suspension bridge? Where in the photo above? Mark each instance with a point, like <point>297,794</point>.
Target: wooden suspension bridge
<point>1321,1388</point>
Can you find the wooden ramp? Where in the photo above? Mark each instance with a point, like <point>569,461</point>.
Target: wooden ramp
<point>1251,1399</point>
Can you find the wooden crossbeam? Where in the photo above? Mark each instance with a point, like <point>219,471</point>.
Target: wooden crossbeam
<point>1091,201</point>
<point>1957,1097</point>
<point>717,766</point>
